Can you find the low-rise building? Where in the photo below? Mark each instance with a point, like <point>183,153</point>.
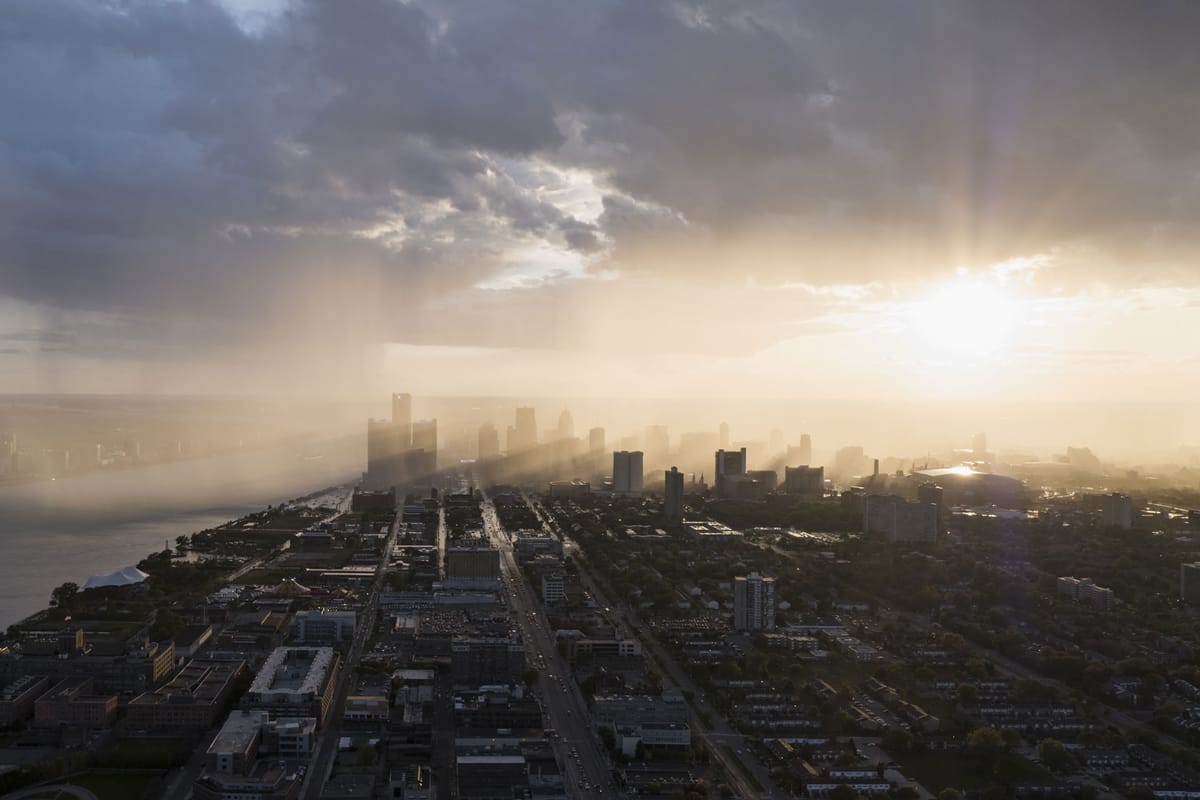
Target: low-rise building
<point>18,696</point>
<point>296,681</point>
<point>325,626</point>
<point>72,702</point>
<point>193,699</point>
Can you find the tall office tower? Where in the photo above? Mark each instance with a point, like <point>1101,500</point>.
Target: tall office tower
<point>804,481</point>
<point>775,441</point>
<point>596,439</point>
<point>729,464</point>
<point>673,494</point>
<point>932,493</point>
<point>658,444</point>
<point>424,435</point>
<point>979,445</point>
<point>489,441</point>
<point>525,435</point>
<point>384,454</point>
<point>1118,511</point>
<point>1189,583</point>
<point>627,472</point>
<point>402,417</point>
<point>566,425</point>
<point>724,433</point>
<point>754,603</point>
<point>804,453</point>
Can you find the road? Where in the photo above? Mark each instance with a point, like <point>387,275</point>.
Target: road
<point>712,727</point>
<point>586,770</point>
<point>325,750</point>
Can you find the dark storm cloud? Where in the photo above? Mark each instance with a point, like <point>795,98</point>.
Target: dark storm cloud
<point>157,161</point>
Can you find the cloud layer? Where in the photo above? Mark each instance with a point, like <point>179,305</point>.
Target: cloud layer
<point>177,183</point>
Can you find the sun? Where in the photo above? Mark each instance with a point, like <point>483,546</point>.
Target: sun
<point>967,316</point>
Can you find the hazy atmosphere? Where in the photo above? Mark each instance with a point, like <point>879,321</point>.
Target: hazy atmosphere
<point>904,200</point>
<point>599,399</point>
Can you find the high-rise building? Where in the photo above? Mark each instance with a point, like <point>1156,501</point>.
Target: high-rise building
<point>402,417</point>
<point>385,454</point>
<point>424,435</point>
<point>804,481</point>
<point>979,445</point>
<point>673,494</point>
<point>1189,583</point>
<point>754,603</point>
<point>627,472</point>
<point>801,453</point>
<point>729,464</point>
<point>524,435</point>
<point>899,520</point>
<point>489,441</point>
<point>932,493</point>
<point>658,444</point>
<point>566,425</point>
<point>399,450</point>
<point>1118,511</point>
<point>596,439</point>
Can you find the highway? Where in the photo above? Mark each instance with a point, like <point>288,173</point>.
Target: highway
<point>586,770</point>
<point>325,750</point>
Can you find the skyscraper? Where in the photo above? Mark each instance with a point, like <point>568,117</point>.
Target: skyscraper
<point>566,425</point>
<point>729,464</point>
<point>402,417</point>
<point>754,603</point>
<point>425,436</point>
<point>658,444</point>
<point>524,435</point>
<point>489,441</point>
<point>932,493</point>
<point>596,439</point>
<point>673,494</point>
<point>801,454</point>
<point>1118,511</point>
<point>627,472</point>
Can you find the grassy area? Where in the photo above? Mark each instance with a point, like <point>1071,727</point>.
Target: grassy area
<point>937,771</point>
<point>118,784</point>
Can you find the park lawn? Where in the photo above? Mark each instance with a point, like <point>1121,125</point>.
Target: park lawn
<point>937,771</point>
<point>118,784</point>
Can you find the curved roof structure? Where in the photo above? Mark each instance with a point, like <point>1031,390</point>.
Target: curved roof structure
<point>126,576</point>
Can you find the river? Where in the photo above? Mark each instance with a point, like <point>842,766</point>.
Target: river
<point>69,529</point>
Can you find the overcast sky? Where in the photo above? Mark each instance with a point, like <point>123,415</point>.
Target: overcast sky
<point>906,199</point>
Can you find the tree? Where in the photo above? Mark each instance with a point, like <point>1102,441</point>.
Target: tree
<point>968,695</point>
<point>65,595</point>
<point>986,745</point>
<point>949,794</point>
<point>167,625</point>
<point>843,792</point>
<point>896,741</point>
<point>1055,755</point>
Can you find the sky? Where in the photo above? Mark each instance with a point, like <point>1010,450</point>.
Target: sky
<point>904,199</point>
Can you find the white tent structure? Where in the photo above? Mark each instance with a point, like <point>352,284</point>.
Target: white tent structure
<point>126,576</point>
